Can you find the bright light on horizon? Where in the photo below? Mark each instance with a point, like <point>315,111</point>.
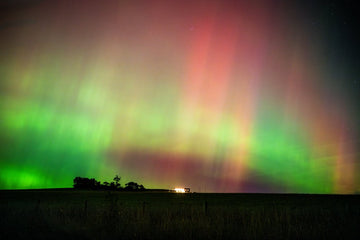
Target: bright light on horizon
<point>180,190</point>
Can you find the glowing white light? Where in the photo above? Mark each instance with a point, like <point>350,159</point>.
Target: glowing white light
<point>179,190</point>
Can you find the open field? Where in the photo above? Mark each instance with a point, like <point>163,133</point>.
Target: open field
<point>71,214</point>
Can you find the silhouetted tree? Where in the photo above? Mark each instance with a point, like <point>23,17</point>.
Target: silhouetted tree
<point>117,180</point>
<point>133,186</point>
<point>86,183</point>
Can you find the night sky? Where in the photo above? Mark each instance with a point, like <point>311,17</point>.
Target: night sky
<point>218,96</point>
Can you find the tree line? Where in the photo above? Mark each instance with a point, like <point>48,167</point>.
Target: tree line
<point>93,184</point>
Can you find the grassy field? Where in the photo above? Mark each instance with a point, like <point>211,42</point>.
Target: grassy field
<point>71,214</point>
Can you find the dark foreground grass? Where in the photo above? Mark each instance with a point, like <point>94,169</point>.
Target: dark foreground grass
<point>119,215</point>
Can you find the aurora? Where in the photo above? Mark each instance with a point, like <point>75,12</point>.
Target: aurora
<point>219,96</point>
